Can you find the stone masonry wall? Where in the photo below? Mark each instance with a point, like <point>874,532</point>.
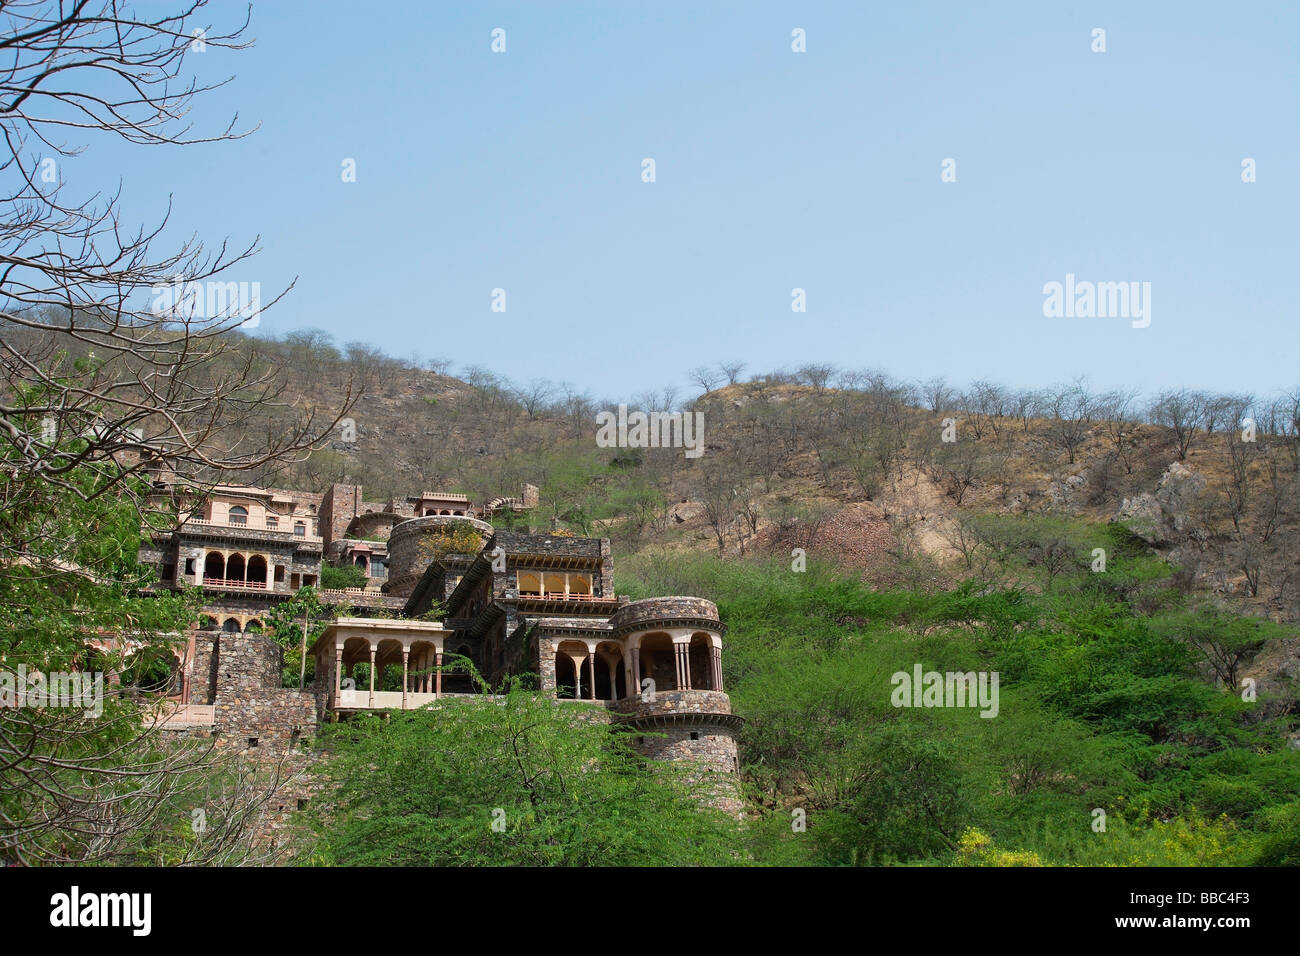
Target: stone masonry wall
<point>709,750</point>
<point>250,703</point>
<point>251,706</point>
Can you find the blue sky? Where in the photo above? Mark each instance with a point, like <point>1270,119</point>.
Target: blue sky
<point>775,170</point>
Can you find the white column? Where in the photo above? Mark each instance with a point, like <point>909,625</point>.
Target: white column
<point>406,652</point>
<point>338,672</point>
<point>373,651</point>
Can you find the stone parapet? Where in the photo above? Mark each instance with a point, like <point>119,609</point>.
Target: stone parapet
<point>665,612</point>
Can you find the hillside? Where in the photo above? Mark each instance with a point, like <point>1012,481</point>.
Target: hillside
<point>860,470</point>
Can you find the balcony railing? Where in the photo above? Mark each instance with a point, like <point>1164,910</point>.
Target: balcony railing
<point>177,716</point>
<point>244,526</point>
<point>234,583</point>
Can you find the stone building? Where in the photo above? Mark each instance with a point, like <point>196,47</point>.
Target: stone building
<point>450,587</point>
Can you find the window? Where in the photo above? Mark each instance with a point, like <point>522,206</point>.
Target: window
<point>695,735</point>
<point>238,515</point>
<point>300,529</point>
<point>189,566</point>
<point>272,521</point>
<point>252,742</point>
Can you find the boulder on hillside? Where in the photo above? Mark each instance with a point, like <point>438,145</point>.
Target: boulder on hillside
<point>1065,495</point>
<point>1162,517</point>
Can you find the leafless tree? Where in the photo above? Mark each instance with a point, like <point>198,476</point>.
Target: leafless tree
<point>715,488</point>
<point>118,359</point>
<point>732,371</point>
<point>1070,407</point>
<point>705,377</point>
<point>1183,412</point>
<point>1026,404</point>
<point>937,394</point>
<point>1115,409</point>
<point>114,355</point>
<point>155,793</point>
<point>816,376</point>
<point>534,396</point>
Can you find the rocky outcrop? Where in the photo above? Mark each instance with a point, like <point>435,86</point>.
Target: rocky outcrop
<point>1166,516</point>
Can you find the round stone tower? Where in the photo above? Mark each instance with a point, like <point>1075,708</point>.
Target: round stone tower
<point>673,649</point>
<point>413,544</point>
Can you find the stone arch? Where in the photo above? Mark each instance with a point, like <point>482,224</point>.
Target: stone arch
<point>611,679</point>
<point>530,582</point>
<point>214,566</point>
<point>455,676</point>
<point>356,652</point>
<point>388,665</point>
<point>701,658</point>
<point>659,660</point>
<point>553,583</point>
<point>254,626</point>
<point>257,570</point>
<point>231,626</point>
<point>209,623</point>
<point>571,661</point>
<point>236,567</point>
<point>565,677</point>
<point>579,584</point>
<point>153,670</point>
<point>423,667</point>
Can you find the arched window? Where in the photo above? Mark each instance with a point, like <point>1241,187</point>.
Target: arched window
<point>701,660</point>
<point>214,566</point>
<point>238,515</point>
<point>659,661</point>
<point>231,626</point>
<point>153,670</point>
<point>566,677</point>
